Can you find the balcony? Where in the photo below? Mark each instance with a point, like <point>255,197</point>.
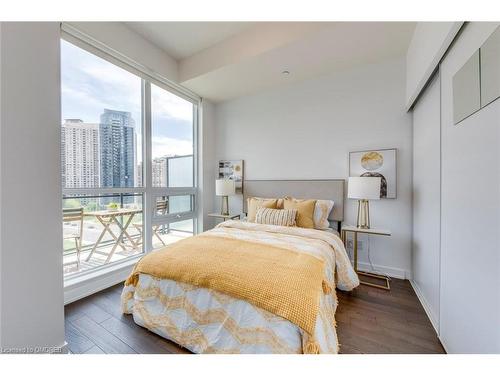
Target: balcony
<point>111,230</point>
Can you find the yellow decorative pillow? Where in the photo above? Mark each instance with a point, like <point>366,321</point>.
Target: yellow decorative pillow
<point>305,211</point>
<point>255,203</point>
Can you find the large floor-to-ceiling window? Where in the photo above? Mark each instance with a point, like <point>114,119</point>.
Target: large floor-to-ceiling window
<point>128,159</point>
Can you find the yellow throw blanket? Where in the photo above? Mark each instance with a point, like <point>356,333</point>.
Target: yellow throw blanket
<point>283,282</point>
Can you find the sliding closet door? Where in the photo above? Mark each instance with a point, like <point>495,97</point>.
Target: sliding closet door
<point>427,198</point>
<point>470,217</point>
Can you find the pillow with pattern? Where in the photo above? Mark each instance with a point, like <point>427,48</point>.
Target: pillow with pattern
<point>321,212</point>
<point>274,216</point>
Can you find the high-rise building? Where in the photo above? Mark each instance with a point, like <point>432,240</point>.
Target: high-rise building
<point>80,154</point>
<point>138,174</point>
<point>117,149</point>
<point>159,171</point>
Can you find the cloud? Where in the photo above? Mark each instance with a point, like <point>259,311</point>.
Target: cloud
<point>166,104</point>
<point>166,146</point>
<point>90,84</point>
<point>112,75</point>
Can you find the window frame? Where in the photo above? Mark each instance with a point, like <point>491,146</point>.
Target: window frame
<point>149,193</point>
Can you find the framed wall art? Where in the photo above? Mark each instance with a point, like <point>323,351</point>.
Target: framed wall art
<point>376,163</point>
<point>233,170</point>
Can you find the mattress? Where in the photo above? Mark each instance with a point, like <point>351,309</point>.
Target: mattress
<point>206,321</point>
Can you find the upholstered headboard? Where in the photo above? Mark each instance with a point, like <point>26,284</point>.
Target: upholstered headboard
<point>314,189</point>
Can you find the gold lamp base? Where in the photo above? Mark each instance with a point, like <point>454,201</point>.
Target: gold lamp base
<point>224,210</point>
<point>363,221</point>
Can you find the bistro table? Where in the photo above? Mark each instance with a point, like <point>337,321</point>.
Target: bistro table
<point>108,217</point>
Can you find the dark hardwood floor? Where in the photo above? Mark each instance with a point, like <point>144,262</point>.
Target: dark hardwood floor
<point>369,320</point>
<point>96,325</point>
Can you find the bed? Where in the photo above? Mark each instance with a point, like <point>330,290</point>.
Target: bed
<point>245,287</point>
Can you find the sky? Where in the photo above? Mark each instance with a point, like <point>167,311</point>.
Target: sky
<point>89,84</point>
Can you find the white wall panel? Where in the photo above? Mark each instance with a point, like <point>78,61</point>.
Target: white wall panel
<point>207,164</point>
<point>31,286</point>
<point>470,221</point>
<point>427,198</point>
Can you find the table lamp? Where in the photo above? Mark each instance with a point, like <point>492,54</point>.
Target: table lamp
<point>363,189</point>
<point>224,188</point>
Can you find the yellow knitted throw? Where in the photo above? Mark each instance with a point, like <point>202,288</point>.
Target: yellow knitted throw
<point>283,282</point>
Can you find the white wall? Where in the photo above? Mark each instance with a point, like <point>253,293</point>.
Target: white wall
<point>429,43</point>
<point>427,198</point>
<point>31,285</point>
<point>470,219</point>
<point>305,130</point>
<point>207,165</point>
<point>127,42</point>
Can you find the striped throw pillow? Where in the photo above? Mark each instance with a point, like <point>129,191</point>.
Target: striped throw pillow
<point>276,217</point>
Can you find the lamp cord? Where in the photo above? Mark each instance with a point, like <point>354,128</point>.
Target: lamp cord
<point>371,264</point>
<point>350,254</point>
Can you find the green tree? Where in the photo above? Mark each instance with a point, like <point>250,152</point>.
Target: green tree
<point>71,203</point>
<point>91,206</point>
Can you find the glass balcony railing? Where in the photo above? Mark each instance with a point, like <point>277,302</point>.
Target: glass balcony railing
<point>100,229</point>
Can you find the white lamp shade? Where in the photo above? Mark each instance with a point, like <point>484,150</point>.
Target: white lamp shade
<point>224,187</point>
<point>364,188</point>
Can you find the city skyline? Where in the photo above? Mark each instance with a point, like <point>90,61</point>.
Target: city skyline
<point>91,158</point>
<point>84,123</point>
<point>90,84</point>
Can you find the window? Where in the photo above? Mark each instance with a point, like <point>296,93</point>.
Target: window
<point>165,234</point>
<point>172,143</point>
<point>101,122</point>
<point>110,169</point>
<point>174,204</point>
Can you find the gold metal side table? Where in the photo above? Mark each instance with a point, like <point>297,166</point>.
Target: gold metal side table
<point>372,231</point>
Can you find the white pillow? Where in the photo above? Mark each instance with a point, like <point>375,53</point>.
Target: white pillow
<point>322,210</point>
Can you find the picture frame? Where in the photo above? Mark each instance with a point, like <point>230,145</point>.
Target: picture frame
<point>376,163</point>
<point>232,170</point>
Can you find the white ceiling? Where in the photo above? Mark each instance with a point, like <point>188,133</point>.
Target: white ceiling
<point>222,61</point>
<point>183,39</point>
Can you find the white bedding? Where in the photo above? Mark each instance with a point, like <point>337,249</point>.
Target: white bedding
<point>330,230</point>
<point>206,321</point>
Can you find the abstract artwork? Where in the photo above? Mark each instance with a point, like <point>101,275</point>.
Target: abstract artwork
<point>232,170</point>
<point>376,163</point>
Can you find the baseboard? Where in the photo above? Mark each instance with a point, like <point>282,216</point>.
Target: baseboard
<point>427,310</point>
<point>397,273</point>
<point>425,305</point>
<point>82,287</point>
<point>443,345</point>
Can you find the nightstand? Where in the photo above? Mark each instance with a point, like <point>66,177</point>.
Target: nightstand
<point>372,231</point>
<point>225,217</point>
